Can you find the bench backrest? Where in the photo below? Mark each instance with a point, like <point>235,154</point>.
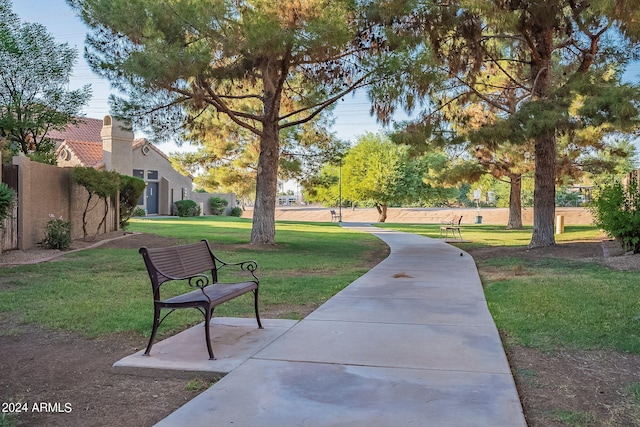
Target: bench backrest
<point>178,262</point>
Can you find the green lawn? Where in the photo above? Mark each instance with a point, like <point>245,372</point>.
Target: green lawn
<point>102,291</point>
<point>548,303</point>
<point>496,235</point>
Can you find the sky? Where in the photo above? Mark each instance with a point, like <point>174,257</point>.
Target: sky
<point>352,114</point>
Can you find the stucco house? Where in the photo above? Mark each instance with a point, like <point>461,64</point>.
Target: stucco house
<point>106,144</point>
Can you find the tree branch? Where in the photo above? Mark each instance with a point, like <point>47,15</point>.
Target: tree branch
<point>319,107</point>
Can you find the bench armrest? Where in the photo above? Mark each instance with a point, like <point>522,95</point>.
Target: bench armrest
<point>199,281</point>
<point>250,266</point>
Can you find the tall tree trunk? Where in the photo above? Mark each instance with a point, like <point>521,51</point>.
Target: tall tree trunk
<point>263,230</point>
<point>515,203</point>
<point>382,212</point>
<point>544,193</point>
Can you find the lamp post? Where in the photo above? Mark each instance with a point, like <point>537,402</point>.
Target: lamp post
<point>340,191</point>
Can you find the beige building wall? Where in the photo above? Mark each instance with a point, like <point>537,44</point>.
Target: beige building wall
<point>66,159</point>
<point>156,170</point>
<point>46,190</point>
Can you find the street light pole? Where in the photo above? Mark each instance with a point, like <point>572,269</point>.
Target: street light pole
<point>340,192</point>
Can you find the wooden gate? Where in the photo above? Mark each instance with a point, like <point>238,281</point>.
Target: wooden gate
<point>9,231</point>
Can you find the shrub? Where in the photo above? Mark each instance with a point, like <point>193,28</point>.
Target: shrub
<point>131,188</point>
<point>237,211</point>
<point>57,233</point>
<point>98,183</point>
<point>616,210</point>
<point>218,205</point>
<point>187,208</point>
<point>138,212</point>
<point>6,202</point>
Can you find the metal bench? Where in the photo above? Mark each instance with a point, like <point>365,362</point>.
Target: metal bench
<point>334,216</point>
<point>197,266</point>
<point>451,226</point>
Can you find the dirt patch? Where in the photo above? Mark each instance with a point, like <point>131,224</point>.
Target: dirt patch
<point>67,380</point>
<point>590,388</point>
<point>73,378</point>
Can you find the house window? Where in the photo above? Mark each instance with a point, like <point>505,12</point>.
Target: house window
<point>139,173</point>
<point>152,175</point>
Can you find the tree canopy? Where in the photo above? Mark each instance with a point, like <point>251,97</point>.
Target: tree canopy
<point>376,172</point>
<point>227,155</point>
<point>266,66</point>
<point>34,77</point>
<point>557,60</point>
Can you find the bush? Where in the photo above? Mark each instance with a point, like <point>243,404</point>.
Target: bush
<point>98,183</point>
<point>237,211</point>
<point>564,197</point>
<point>6,202</point>
<point>187,208</point>
<point>57,233</point>
<point>616,210</point>
<point>218,205</point>
<point>138,212</point>
<point>131,188</point>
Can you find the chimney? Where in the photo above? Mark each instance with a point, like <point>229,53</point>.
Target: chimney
<point>117,146</point>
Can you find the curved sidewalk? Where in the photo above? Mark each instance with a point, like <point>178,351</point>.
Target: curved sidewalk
<point>411,342</point>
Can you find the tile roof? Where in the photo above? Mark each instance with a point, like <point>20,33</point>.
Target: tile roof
<point>89,153</point>
<point>88,130</point>
<point>85,143</point>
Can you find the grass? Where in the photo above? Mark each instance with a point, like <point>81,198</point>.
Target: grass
<point>495,235</point>
<point>573,418</point>
<point>561,304</point>
<point>198,384</point>
<point>634,392</point>
<point>7,420</point>
<point>547,303</point>
<point>556,304</point>
<point>103,291</point>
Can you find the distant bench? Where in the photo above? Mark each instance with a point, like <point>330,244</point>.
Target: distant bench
<point>451,226</point>
<point>196,265</point>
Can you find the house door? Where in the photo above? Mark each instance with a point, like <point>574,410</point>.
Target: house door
<point>152,198</point>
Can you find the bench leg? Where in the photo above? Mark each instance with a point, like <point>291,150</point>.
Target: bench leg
<point>207,332</point>
<point>154,329</point>
<point>255,306</point>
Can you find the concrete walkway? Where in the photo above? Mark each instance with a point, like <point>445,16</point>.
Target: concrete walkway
<point>409,343</point>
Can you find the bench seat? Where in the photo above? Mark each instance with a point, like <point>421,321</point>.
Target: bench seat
<point>216,293</point>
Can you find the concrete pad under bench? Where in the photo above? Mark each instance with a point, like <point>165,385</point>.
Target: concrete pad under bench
<point>234,340</point>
